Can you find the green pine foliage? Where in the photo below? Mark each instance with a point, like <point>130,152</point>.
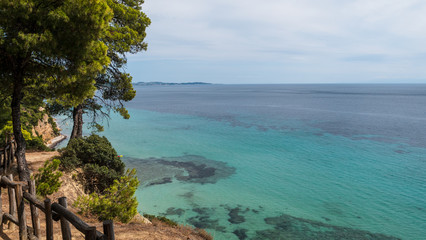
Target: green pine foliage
<point>116,203</point>
<point>48,178</point>
<point>98,178</point>
<point>98,159</point>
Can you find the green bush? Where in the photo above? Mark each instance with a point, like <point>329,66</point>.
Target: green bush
<point>47,179</point>
<point>36,143</point>
<point>100,163</point>
<point>98,178</point>
<point>117,203</point>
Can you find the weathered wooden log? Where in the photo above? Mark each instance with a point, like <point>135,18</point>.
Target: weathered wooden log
<point>21,213</point>
<point>34,211</point>
<point>11,157</point>
<point>49,222</point>
<point>1,211</point>
<point>6,157</point>
<point>33,200</point>
<point>2,158</point>
<point>71,217</point>
<point>12,201</point>
<point>65,225</point>
<point>12,220</point>
<point>90,234</point>
<point>8,181</point>
<point>12,153</point>
<point>108,230</point>
<point>74,220</point>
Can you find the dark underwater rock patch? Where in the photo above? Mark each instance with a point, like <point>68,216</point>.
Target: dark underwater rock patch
<point>235,217</point>
<point>187,195</point>
<point>187,168</point>
<point>240,233</point>
<point>161,181</point>
<point>196,172</point>
<point>288,227</point>
<point>174,211</point>
<point>203,219</point>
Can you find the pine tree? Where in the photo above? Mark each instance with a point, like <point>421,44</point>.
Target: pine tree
<point>51,49</point>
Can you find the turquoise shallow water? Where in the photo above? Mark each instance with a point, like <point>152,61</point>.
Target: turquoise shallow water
<point>360,184</point>
<point>276,174</point>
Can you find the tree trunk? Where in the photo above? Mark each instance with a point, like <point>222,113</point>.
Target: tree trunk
<point>24,172</point>
<point>77,128</point>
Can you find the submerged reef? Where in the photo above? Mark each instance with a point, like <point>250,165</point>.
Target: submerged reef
<point>187,168</point>
<point>289,227</point>
<point>204,219</point>
<point>283,226</point>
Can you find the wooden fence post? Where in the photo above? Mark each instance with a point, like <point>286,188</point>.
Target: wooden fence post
<point>34,211</point>
<point>65,225</point>
<point>1,162</point>
<point>49,221</point>
<point>12,155</point>
<point>12,202</point>
<point>109,230</point>
<point>21,213</point>
<point>6,157</point>
<point>1,211</point>
<point>90,234</point>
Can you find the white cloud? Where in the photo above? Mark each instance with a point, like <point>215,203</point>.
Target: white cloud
<point>309,32</point>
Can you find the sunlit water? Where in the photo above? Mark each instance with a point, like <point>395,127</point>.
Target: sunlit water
<point>281,161</point>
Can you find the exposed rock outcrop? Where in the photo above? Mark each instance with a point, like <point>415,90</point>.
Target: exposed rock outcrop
<point>45,130</point>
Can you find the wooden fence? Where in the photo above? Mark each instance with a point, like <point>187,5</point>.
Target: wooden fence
<point>6,156</point>
<point>20,193</point>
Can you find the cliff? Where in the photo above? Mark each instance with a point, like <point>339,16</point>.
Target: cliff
<point>47,129</point>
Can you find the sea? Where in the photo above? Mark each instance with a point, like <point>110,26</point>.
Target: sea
<point>326,161</point>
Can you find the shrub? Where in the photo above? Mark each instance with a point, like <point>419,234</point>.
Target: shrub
<point>100,163</point>
<point>118,201</point>
<point>98,178</point>
<point>36,143</point>
<point>47,179</point>
<point>93,149</point>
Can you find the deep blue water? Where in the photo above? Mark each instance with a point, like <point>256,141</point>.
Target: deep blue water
<point>281,161</point>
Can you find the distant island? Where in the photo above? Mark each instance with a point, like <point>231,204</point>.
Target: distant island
<point>168,84</point>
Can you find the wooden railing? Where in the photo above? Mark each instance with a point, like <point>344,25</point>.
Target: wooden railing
<point>18,191</point>
<point>6,156</point>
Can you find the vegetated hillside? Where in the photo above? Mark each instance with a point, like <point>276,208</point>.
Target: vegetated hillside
<point>138,228</point>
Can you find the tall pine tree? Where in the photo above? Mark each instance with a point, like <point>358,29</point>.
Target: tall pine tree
<point>53,49</point>
<point>125,34</point>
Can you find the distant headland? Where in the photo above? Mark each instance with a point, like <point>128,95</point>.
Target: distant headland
<point>168,84</point>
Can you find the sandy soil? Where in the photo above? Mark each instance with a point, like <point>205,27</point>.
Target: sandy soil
<point>138,228</point>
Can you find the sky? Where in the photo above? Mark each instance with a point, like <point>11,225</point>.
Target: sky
<point>283,41</point>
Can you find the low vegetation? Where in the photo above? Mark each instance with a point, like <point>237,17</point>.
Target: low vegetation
<point>98,159</point>
<point>111,189</point>
<point>48,178</point>
<point>116,203</point>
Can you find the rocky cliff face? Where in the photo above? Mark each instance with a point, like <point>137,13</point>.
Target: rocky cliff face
<point>44,129</point>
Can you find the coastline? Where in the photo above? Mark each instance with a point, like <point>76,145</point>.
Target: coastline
<point>55,141</point>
